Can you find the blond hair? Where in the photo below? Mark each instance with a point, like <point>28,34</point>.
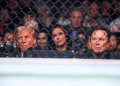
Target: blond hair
<point>21,28</point>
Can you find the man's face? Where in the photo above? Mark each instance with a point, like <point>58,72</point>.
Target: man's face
<point>99,41</point>
<point>113,43</point>
<point>94,10</point>
<point>13,4</point>
<point>42,39</point>
<point>106,11</point>
<point>76,19</point>
<point>85,4</point>
<point>25,40</point>
<point>28,18</point>
<point>4,15</point>
<point>8,37</point>
<point>59,36</point>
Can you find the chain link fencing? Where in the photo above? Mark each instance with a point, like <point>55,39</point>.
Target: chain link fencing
<point>60,28</point>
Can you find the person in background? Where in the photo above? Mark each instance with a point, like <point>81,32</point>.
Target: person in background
<point>45,15</point>
<point>27,15</point>
<point>60,39</point>
<point>35,26</point>
<point>113,43</point>
<point>42,40</point>
<point>14,11</point>
<point>85,5</point>
<point>8,36</point>
<point>1,32</point>
<point>5,19</point>
<point>75,21</point>
<point>94,19</point>
<point>106,12</point>
<point>79,43</point>
<point>64,17</point>
<point>115,25</point>
<point>8,43</point>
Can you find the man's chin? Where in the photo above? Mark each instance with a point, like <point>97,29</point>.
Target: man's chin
<point>23,49</point>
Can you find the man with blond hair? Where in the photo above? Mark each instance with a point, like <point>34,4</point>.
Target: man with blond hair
<point>25,40</point>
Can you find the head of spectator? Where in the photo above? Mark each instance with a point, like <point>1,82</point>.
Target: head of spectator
<point>28,14</point>
<point>76,17</point>
<point>79,43</point>
<point>1,37</point>
<point>113,43</point>
<point>118,8</point>
<point>4,15</point>
<point>115,25</point>
<point>88,43</point>
<point>99,41</point>
<point>25,2</point>
<point>33,24</point>
<point>25,37</point>
<point>8,36</point>
<point>43,10</point>
<point>28,17</point>
<point>59,38</point>
<point>45,13</point>
<point>106,10</point>
<point>13,4</point>
<point>118,43</point>
<point>85,4</point>
<point>42,39</point>
<point>94,10</point>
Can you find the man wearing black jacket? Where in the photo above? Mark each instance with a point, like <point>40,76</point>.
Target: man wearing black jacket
<point>99,41</point>
<point>25,41</point>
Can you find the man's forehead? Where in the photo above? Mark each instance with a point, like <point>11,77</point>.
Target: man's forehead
<point>23,32</point>
<point>99,33</point>
<point>76,12</point>
<point>42,34</point>
<point>8,33</point>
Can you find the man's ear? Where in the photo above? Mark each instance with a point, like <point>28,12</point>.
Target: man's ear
<point>108,44</point>
<point>34,40</point>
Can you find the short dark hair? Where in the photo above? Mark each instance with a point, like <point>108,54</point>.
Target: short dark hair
<point>103,29</point>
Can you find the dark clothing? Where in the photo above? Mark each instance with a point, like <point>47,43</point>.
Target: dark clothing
<point>72,31</point>
<point>30,52</point>
<point>68,47</point>
<point>107,55</point>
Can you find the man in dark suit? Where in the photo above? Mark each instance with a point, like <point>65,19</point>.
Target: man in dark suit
<point>75,21</point>
<point>99,41</point>
<point>25,40</point>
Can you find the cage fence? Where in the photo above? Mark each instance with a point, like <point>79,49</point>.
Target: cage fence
<point>60,28</point>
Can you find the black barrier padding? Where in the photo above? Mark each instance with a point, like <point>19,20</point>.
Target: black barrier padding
<point>53,54</point>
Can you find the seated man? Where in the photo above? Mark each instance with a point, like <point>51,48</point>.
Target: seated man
<point>7,44</point>
<point>75,21</point>
<point>8,37</point>
<point>99,41</point>
<point>25,40</point>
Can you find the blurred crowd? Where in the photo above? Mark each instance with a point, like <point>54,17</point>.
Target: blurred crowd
<point>90,27</point>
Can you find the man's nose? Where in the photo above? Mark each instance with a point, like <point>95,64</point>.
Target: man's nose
<point>41,41</point>
<point>97,42</point>
<point>76,20</point>
<point>24,40</point>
